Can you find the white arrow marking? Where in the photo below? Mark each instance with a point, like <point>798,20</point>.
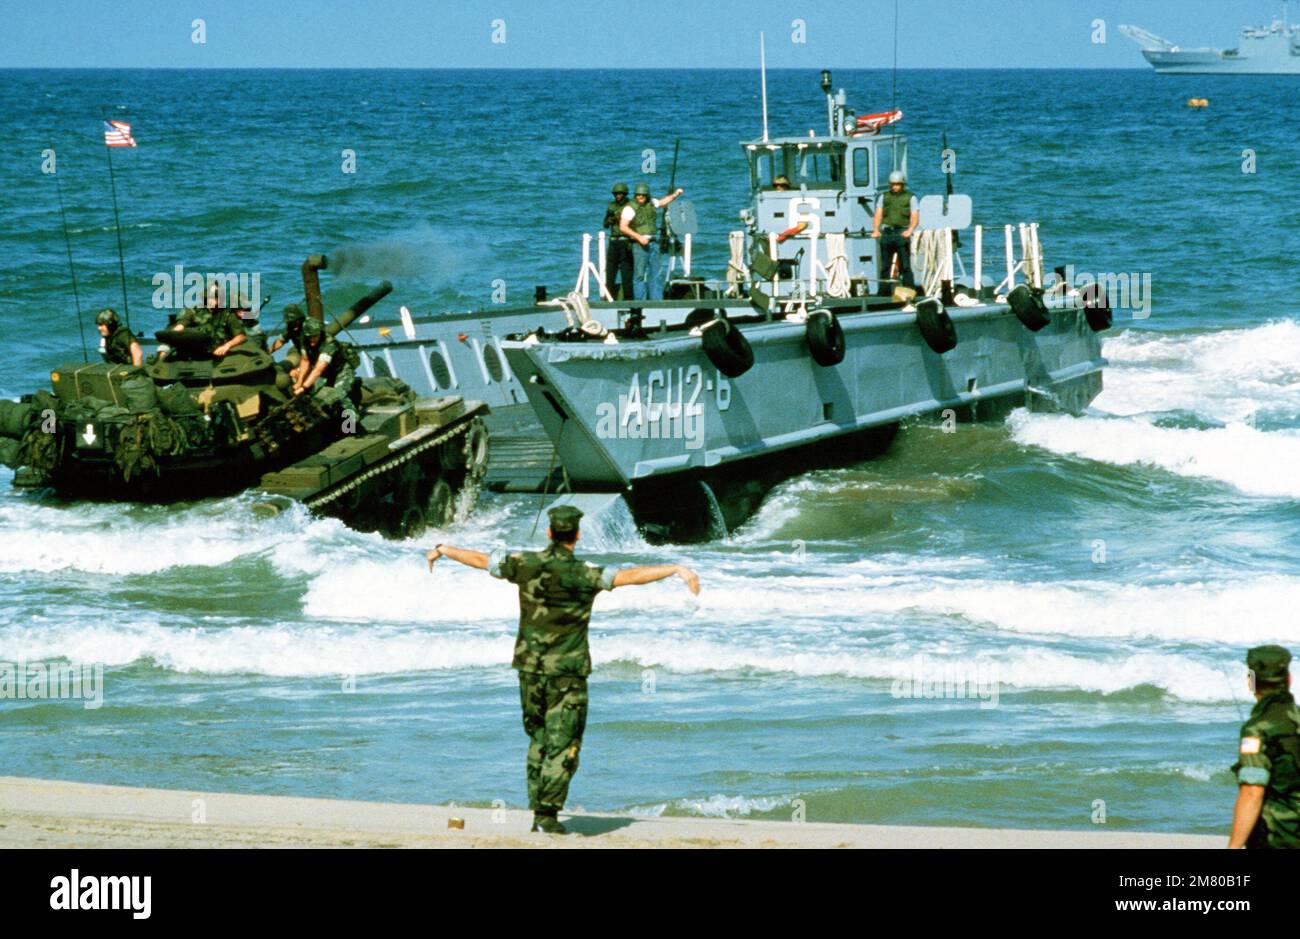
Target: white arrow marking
<point>89,435</point>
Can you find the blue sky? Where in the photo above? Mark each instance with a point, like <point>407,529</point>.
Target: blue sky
<point>546,34</point>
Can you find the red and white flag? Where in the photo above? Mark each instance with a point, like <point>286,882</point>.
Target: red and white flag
<point>118,134</point>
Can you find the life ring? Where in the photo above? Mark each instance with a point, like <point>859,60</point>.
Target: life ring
<point>936,326</point>
<point>727,349</point>
<point>825,338</point>
<point>1096,307</point>
<point>1029,307</point>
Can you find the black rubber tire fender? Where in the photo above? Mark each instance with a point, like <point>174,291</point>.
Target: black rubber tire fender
<point>1096,307</point>
<point>727,349</point>
<point>825,338</point>
<point>1028,307</point>
<point>936,326</point>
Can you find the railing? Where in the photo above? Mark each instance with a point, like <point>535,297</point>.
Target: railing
<point>934,257</point>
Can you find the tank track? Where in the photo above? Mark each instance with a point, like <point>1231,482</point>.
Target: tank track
<point>386,466</point>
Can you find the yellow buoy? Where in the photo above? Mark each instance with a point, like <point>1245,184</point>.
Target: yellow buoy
<point>1198,102</point>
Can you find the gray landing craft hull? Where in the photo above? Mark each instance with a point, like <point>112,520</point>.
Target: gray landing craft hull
<point>653,419</point>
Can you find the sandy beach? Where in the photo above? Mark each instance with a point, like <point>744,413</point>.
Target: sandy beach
<point>37,813</point>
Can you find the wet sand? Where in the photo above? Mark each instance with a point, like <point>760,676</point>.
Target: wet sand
<point>38,813</point>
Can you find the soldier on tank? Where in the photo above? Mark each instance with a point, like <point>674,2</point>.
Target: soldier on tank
<point>556,591</point>
<point>618,259</point>
<point>221,325</point>
<point>896,218</point>
<point>251,321</point>
<point>118,346</point>
<point>1267,813</point>
<point>638,221</point>
<point>292,332</point>
<point>327,367</point>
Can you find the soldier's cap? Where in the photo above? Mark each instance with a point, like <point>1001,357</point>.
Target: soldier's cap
<point>106,317</point>
<point>294,314</point>
<point>620,187</point>
<point>1269,664</point>
<point>312,327</point>
<point>564,519</point>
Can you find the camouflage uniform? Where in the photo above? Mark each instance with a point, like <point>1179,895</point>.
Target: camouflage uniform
<point>219,325</point>
<point>1270,751</point>
<point>117,347</point>
<point>339,380</point>
<point>556,591</point>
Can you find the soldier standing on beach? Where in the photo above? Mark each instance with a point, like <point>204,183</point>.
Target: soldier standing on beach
<point>556,591</point>
<point>1267,813</point>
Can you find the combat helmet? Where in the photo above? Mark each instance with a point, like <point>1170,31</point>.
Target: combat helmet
<point>312,327</point>
<point>106,317</point>
<point>898,176</point>
<point>619,188</point>
<point>293,315</point>
<point>642,189</point>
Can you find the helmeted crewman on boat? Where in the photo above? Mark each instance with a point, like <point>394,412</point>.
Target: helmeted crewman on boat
<point>618,257</point>
<point>638,221</point>
<point>118,346</point>
<point>897,215</point>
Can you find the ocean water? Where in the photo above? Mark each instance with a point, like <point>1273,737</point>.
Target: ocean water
<point>1089,584</point>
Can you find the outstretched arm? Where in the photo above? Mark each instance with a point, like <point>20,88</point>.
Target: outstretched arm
<point>1250,800</point>
<point>634,576</point>
<point>463,555</point>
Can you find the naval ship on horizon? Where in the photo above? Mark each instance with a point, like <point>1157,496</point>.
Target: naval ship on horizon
<point>1263,50</point>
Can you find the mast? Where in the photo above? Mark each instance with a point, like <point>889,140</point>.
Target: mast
<point>762,72</point>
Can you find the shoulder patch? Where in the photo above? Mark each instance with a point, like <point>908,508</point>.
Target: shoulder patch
<point>1249,745</point>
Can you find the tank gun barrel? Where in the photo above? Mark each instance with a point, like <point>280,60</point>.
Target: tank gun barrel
<point>344,319</point>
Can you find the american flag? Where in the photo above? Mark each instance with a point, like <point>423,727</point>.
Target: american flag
<point>118,134</point>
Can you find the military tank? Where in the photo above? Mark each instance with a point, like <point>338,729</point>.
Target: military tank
<point>191,427</point>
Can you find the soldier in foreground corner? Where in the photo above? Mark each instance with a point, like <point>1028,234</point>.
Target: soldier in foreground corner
<point>556,591</point>
<point>1267,814</point>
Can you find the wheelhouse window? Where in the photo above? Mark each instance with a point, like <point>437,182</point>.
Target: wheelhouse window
<point>817,165</point>
<point>862,167</point>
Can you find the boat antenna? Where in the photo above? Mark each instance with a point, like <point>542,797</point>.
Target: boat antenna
<point>67,244</point>
<point>117,222</point>
<point>893,96</point>
<point>762,77</point>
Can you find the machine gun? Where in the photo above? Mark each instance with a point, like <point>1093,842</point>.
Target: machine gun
<point>665,240</point>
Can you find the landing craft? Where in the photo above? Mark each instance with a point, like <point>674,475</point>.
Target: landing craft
<point>692,409</point>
